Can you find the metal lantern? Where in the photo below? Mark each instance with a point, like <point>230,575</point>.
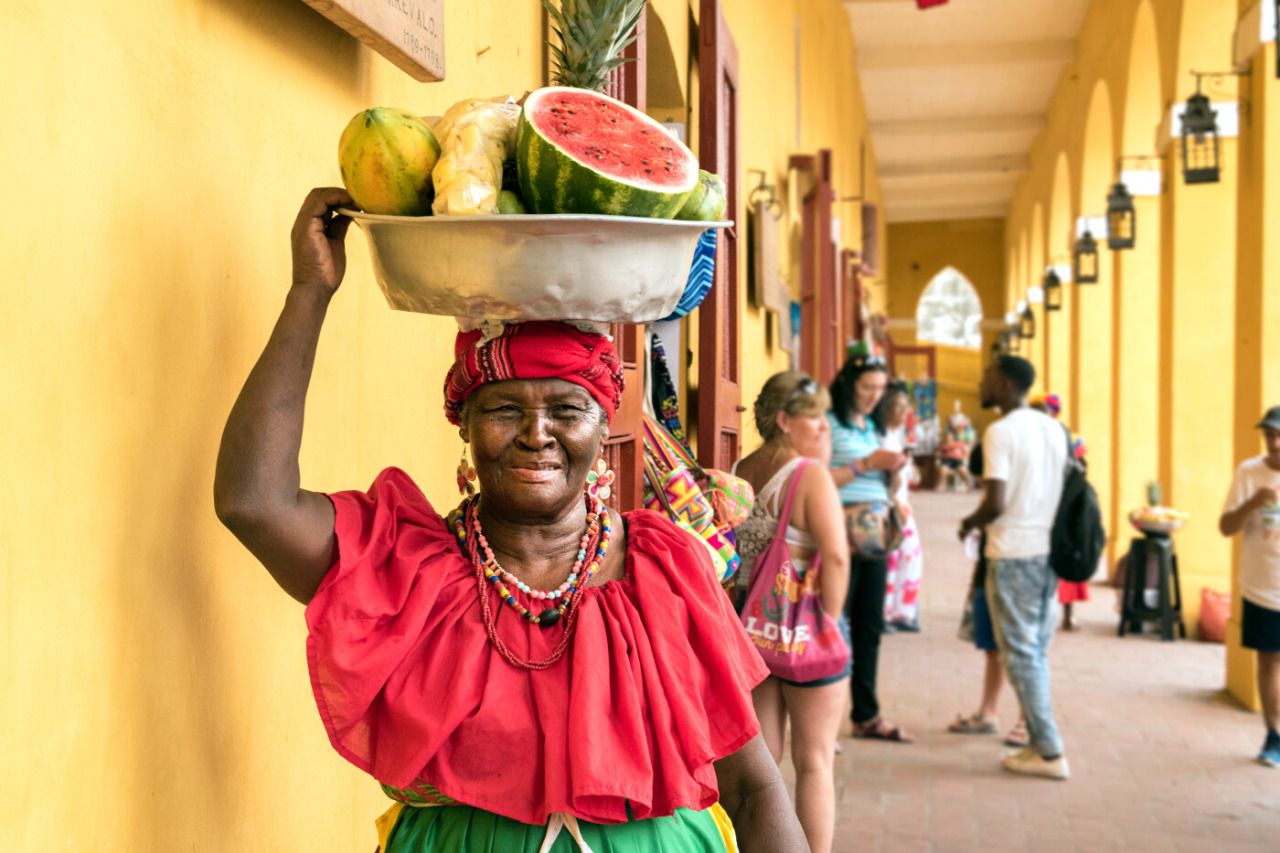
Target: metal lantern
<point>1027,324</point>
<point>1085,266</point>
<point>1015,340</point>
<point>1201,148</point>
<point>1121,218</point>
<point>1052,291</point>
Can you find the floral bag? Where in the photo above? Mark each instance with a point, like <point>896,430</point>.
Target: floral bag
<point>783,614</point>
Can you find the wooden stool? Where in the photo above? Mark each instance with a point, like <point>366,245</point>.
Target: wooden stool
<point>1133,606</point>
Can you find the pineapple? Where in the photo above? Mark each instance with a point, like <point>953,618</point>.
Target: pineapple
<point>593,34</point>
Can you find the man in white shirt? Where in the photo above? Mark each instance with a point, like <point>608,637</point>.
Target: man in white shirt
<point>1253,505</point>
<point>1024,459</point>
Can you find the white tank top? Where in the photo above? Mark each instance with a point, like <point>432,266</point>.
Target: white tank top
<point>753,535</point>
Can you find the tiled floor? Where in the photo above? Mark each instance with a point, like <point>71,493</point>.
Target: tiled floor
<point>1160,759</point>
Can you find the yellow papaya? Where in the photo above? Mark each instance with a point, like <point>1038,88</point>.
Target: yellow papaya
<point>386,156</point>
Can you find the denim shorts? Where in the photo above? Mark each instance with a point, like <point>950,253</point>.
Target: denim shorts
<point>984,635</point>
<point>830,679</point>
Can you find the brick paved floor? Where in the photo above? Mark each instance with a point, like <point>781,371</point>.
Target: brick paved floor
<point>1160,758</point>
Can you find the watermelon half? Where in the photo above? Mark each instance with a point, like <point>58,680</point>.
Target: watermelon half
<point>578,151</point>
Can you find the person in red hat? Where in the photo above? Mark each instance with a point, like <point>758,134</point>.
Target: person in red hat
<point>532,671</point>
<point>1253,509</point>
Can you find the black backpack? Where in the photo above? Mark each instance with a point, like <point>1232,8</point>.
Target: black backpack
<point>1077,539</point>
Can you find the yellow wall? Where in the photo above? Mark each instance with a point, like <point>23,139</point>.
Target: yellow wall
<point>1162,406</point>
<point>832,116</point>
<point>918,251</point>
<point>1257,349</point>
<point>159,152</point>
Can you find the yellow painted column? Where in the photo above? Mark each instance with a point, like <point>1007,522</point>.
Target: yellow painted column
<point>1257,347</point>
<point>1135,391</point>
<point>1057,349</point>
<point>1091,375</point>
<point>1197,359</point>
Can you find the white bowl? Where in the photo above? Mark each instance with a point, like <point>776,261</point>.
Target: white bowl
<point>611,269</point>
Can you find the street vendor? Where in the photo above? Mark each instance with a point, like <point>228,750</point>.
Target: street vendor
<point>532,672</point>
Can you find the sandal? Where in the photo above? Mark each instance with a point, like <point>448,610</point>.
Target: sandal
<point>972,725</point>
<point>878,729</point>
<point>1017,735</point>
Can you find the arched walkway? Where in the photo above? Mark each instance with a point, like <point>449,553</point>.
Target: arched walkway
<point>1159,760</point>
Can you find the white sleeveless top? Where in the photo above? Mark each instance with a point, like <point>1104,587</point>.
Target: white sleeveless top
<point>753,535</point>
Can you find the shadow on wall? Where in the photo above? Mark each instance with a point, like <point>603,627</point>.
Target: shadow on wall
<point>174,671</point>
<point>297,31</point>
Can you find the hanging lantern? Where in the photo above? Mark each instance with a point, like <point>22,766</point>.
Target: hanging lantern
<point>1027,324</point>
<point>1085,265</point>
<point>1052,291</point>
<point>1015,341</point>
<point>1201,149</point>
<point>1121,218</point>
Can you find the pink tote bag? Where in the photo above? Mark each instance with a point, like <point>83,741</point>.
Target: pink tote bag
<point>783,614</point>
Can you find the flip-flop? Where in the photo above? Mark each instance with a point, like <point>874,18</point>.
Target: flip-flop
<point>878,729</point>
<point>972,725</point>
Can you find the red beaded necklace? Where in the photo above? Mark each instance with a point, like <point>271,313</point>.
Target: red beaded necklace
<point>595,542</point>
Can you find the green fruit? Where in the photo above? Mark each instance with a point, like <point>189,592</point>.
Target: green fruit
<point>386,156</point>
<point>509,202</point>
<point>707,202</point>
<point>583,152</point>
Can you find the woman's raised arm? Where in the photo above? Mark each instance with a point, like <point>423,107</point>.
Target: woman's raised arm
<point>256,491</point>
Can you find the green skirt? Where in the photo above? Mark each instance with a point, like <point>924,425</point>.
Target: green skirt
<point>463,829</point>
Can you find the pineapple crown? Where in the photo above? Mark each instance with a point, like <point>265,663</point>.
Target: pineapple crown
<point>593,34</point>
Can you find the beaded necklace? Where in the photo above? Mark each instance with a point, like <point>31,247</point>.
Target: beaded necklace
<point>595,542</point>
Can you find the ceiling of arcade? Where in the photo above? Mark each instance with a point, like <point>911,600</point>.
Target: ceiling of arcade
<point>957,94</point>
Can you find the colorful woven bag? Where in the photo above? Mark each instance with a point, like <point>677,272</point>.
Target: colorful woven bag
<point>730,496</point>
<point>673,485</point>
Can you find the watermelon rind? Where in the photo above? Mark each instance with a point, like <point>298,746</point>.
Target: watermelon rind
<point>553,181</point>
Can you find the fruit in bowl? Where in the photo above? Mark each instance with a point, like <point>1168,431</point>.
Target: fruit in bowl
<point>1158,519</point>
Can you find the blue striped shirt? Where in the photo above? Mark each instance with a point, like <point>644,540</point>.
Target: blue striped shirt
<point>848,444</point>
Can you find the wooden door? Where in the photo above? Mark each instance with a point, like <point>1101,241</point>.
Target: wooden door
<point>719,378</point>
<point>851,295</point>
<point>624,451</point>
<point>821,337</point>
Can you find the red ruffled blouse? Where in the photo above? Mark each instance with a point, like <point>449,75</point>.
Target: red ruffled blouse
<point>656,684</point>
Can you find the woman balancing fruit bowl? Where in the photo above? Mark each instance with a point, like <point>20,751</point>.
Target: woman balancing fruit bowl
<point>530,671</point>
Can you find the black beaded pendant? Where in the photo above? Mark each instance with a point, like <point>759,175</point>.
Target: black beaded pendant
<point>549,617</point>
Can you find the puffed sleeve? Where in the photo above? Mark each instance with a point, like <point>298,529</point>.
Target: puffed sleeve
<point>396,561</point>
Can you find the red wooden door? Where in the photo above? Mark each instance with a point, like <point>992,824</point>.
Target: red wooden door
<point>719,380</point>
<point>624,450</point>
<point>820,304</point>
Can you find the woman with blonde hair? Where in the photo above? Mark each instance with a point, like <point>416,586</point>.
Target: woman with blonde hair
<point>790,414</point>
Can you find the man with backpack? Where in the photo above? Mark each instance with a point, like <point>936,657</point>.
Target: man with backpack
<point>1024,456</point>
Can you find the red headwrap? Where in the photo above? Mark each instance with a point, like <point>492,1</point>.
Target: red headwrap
<point>539,349</point>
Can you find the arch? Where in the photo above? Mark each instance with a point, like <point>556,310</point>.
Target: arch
<point>1144,94</point>
<point>1205,38</point>
<point>1058,325</point>
<point>1097,155</point>
<point>950,311</point>
<point>1058,234</point>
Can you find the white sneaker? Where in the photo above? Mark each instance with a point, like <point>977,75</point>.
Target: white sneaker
<point>1030,763</point>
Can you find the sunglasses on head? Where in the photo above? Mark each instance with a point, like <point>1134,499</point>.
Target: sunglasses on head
<point>807,387</point>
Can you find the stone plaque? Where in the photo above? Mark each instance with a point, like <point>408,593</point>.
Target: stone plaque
<point>410,33</point>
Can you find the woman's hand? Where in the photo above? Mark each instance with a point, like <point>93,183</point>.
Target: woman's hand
<point>319,251</point>
<point>884,460</point>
